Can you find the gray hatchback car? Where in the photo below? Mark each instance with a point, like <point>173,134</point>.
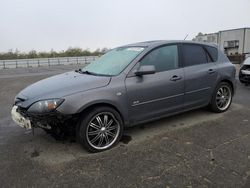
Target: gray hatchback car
<point>126,86</point>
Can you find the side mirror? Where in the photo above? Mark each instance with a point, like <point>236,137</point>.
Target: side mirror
<point>145,69</point>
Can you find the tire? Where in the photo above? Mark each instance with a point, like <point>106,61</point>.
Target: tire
<point>222,97</point>
<point>100,129</point>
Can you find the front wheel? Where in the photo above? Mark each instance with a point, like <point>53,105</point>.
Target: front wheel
<point>222,98</point>
<point>100,129</point>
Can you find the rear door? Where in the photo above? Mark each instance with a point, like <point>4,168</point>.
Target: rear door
<point>153,95</point>
<point>200,75</point>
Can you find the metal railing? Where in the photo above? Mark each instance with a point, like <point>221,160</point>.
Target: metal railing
<point>39,62</point>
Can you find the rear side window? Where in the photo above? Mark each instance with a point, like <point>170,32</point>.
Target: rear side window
<point>213,52</point>
<point>193,54</point>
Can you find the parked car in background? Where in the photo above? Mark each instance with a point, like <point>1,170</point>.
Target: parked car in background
<point>127,86</point>
<point>244,74</point>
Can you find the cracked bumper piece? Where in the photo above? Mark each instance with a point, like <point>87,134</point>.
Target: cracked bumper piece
<point>19,119</point>
<point>49,121</point>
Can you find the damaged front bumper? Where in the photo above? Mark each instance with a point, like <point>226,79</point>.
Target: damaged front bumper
<point>46,121</point>
<point>19,119</point>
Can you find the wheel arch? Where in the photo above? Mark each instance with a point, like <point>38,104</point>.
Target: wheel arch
<point>230,83</point>
<point>90,106</point>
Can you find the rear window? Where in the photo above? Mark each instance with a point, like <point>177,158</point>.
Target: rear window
<point>213,52</point>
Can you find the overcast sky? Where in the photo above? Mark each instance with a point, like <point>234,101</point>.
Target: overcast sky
<point>46,24</point>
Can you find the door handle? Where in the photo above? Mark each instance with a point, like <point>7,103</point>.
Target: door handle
<point>175,78</point>
<point>211,71</point>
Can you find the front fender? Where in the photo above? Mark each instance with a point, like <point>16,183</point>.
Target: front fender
<point>76,103</point>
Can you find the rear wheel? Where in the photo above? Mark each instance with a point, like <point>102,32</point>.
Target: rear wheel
<point>100,129</point>
<point>222,98</point>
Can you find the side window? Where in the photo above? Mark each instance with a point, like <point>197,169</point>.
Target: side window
<point>213,52</point>
<point>209,59</point>
<point>193,54</point>
<point>163,58</point>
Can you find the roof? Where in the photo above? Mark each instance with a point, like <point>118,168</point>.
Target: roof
<point>162,42</point>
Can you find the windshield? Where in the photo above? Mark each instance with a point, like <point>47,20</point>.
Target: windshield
<point>113,62</point>
<point>247,61</point>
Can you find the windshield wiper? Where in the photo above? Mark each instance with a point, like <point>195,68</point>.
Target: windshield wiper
<point>90,73</point>
<point>85,72</point>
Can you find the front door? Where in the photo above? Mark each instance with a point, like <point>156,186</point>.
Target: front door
<point>160,93</point>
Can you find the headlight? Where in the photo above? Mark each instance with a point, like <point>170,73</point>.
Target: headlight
<point>45,106</point>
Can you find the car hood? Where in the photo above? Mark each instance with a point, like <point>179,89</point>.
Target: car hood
<point>60,85</point>
<point>246,63</point>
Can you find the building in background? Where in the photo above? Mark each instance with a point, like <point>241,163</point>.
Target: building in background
<point>234,42</point>
<point>210,38</point>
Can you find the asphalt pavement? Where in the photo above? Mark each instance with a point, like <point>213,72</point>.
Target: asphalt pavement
<point>193,149</point>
